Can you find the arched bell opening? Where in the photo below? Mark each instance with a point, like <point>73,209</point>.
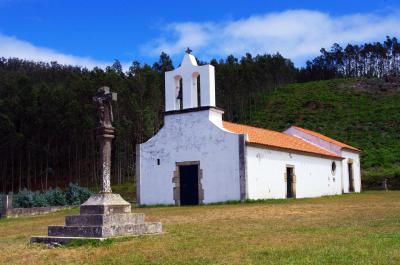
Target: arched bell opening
<point>178,92</point>
<point>196,89</point>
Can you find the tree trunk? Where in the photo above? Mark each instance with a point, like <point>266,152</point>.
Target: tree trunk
<point>47,170</point>
<point>28,171</point>
<point>12,170</point>
<point>76,163</point>
<point>69,164</point>
<point>41,173</point>
<point>34,173</point>
<point>20,172</point>
<point>5,176</point>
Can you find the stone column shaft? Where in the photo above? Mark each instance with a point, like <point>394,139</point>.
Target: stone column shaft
<point>105,136</point>
<point>105,147</point>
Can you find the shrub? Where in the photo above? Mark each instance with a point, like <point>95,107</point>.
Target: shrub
<point>76,195</point>
<point>56,197</point>
<point>23,199</point>
<point>40,200</point>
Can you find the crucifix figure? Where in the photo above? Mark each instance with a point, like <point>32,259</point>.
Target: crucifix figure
<point>105,133</point>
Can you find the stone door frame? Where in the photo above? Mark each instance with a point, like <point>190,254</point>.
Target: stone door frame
<point>350,175</point>
<point>293,180</point>
<point>176,179</point>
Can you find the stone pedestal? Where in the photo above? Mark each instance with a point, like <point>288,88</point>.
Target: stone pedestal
<point>102,216</point>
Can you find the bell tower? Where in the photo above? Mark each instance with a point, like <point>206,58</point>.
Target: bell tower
<point>189,86</point>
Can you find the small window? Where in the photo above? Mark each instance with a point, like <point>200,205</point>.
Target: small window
<point>333,168</point>
<point>198,92</point>
<point>180,96</point>
<point>158,161</point>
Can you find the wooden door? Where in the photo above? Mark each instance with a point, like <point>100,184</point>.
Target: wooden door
<point>351,177</point>
<point>289,182</point>
<point>189,184</point>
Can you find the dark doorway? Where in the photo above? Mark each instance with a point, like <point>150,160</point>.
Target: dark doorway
<point>189,184</point>
<point>351,177</point>
<point>289,183</point>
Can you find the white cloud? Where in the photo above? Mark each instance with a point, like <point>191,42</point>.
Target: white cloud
<point>296,34</point>
<point>13,47</point>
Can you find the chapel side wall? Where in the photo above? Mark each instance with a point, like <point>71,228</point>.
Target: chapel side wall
<point>190,137</point>
<point>355,157</point>
<point>266,170</point>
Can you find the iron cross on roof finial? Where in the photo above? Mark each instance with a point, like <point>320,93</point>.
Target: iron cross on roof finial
<point>188,50</point>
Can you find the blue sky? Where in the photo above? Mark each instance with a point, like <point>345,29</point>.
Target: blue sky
<point>90,33</point>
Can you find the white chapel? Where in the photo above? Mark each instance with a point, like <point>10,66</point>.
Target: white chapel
<point>196,157</point>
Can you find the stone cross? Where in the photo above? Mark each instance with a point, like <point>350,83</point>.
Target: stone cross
<point>105,214</point>
<point>105,133</point>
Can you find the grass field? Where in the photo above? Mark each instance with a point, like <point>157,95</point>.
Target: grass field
<point>349,229</point>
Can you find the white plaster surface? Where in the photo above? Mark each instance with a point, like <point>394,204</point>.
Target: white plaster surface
<point>188,72</point>
<point>356,170</point>
<point>190,137</point>
<point>266,169</point>
<point>343,152</point>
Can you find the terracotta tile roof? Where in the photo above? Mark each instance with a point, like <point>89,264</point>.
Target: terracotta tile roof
<point>276,139</point>
<point>326,138</point>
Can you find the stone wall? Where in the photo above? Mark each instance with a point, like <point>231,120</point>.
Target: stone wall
<point>6,210</point>
<point>17,212</point>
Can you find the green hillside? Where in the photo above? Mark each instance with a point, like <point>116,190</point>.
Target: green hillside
<point>364,113</point>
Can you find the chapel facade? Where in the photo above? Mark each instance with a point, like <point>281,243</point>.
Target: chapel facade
<point>196,157</point>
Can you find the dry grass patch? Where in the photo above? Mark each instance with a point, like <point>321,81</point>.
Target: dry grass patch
<point>350,229</point>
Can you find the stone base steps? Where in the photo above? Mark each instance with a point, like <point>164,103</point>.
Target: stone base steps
<point>66,239</point>
<point>61,240</point>
<point>101,216</point>
<point>104,220</point>
<point>104,209</point>
<point>105,231</point>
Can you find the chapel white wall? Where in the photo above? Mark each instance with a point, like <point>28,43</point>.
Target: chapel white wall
<point>266,169</point>
<point>355,157</point>
<point>192,136</point>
